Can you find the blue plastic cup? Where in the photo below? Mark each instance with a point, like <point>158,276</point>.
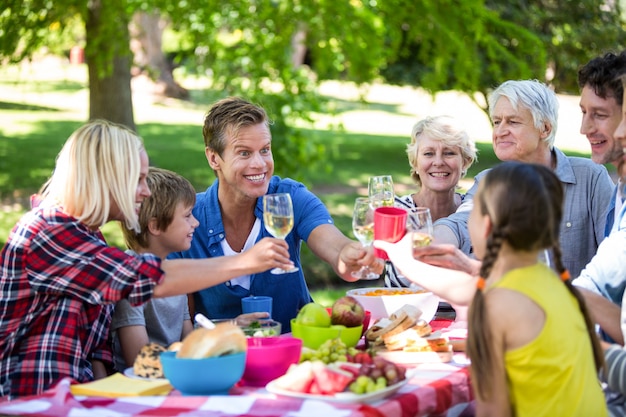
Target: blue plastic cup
<point>257,303</point>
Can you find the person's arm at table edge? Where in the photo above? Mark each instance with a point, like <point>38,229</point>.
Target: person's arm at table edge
<point>183,276</point>
<point>604,313</point>
<point>457,287</point>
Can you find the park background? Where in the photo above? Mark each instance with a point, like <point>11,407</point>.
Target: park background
<point>344,82</point>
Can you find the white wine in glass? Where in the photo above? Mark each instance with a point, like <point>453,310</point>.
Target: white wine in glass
<point>420,225</point>
<point>278,220</point>
<point>380,191</point>
<point>363,229</point>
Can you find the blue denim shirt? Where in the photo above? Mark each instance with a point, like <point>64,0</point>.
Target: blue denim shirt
<point>289,291</point>
<point>588,189</point>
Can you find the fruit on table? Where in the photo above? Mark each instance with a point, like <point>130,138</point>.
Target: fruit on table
<point>347,311</point>
<point>316,377</point>
<point>313,314</point>
<point>332,350</point>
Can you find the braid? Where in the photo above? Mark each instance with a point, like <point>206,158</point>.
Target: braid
<point>479,348</point>
<point>598,353</point>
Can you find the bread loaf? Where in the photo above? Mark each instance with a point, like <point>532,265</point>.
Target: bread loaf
<point>226,338</point>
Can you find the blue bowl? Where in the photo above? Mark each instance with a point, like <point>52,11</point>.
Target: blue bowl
<point>208,376</point>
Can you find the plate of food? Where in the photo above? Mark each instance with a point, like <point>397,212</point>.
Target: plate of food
<point>147,365</point>
<point>340,397</point>
<point>130,372</point>
<point>341,382</point>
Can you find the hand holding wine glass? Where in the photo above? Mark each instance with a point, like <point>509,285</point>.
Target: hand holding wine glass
<point>363,229</point>
<point>278,220</point>
<point>380,190</point>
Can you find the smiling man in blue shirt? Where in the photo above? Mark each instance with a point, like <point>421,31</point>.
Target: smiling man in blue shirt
<point>239,150</point>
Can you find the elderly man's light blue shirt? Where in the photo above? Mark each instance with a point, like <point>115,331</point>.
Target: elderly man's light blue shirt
<point>588,189</point>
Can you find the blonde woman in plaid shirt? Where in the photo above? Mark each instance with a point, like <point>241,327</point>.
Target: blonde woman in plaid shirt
<point>59,280</point>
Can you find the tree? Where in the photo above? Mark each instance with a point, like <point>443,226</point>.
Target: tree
<point>587,29</point>
<point>146,43</point>
<point>543,39</point>
<point>246,48</point>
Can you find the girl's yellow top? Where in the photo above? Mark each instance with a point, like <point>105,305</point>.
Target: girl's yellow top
<point>554,375</point>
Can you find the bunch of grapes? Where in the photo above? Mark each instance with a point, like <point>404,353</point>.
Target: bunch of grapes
<point>364,384</point>
<point>332,350</point>
<point>377,375</point>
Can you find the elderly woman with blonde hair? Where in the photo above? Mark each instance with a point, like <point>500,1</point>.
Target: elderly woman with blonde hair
<point>439,154</point>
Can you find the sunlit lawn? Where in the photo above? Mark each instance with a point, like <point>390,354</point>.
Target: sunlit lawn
<point>36,117</point>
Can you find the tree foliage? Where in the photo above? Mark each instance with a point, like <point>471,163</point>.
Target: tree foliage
<point>542,39</point>
<point>573,32</point>
<point>247,48</point>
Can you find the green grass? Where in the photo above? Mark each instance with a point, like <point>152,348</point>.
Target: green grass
<point>39,112</point>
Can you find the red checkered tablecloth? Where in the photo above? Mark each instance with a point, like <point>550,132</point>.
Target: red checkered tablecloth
<point>436,390</point>
<point>441,389</point>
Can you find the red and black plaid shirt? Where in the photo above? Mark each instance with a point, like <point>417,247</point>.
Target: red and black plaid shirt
<point>58,284</point>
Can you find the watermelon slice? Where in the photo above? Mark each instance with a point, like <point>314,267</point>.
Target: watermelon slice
<point>330,381</point>
<point>299,378</point>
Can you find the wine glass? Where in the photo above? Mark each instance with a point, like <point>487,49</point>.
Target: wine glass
<point>363,229</point>
<point>545,256</point>
<point>380,190</point>
<point>278,220</point>
<point>420,224</point>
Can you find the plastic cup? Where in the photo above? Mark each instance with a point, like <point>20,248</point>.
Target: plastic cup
<point>389,225</point>
<point>256,304</point>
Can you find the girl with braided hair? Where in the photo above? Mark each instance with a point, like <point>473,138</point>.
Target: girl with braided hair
<point>531,341</point>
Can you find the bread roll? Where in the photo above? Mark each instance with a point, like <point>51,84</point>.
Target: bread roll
<point>148,361</point>
<point>174,347</point>
<point>226,338</point>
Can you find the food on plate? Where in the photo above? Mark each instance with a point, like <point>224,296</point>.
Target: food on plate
<point>313,314</point>
<point>376,375</point>
<point>347,311</point>
<point>263,328</point>
<point>432,343</point>
<point>411,336</point>
<point>392,291</point>
<point>332,350</point>
<point>401,320</point>
<point>148,361</point>
<point>226,338</point>
<point>316,377</point>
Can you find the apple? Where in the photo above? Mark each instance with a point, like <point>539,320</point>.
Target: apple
<point>313,314</point>
<point>347,311</point>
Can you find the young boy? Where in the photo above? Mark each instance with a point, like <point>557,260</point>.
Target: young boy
<point>166,225</point>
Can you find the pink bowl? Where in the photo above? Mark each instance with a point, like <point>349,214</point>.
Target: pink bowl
<point>268,358</point>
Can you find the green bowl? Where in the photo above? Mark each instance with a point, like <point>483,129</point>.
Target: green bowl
<point>313,337</point>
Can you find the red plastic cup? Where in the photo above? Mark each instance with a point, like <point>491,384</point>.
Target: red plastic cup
<point>389,225</point>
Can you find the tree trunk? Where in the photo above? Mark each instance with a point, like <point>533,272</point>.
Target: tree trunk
<point>108,58</point>
<point>147,34</point>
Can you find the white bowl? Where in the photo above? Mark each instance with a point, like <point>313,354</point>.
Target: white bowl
<point>385,305</point>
